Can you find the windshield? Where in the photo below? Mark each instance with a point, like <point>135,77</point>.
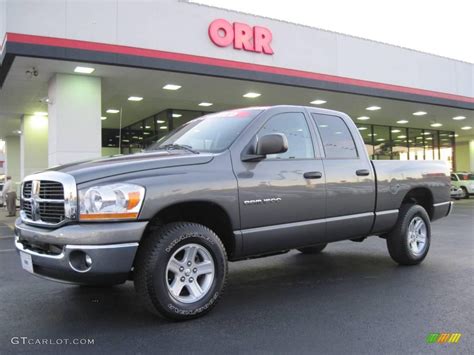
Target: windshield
<point>210,133</point>
<point>466,176</point>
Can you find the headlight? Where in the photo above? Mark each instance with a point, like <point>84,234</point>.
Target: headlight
<point>106,202</point>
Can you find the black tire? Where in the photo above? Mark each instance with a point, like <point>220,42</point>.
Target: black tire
<point>398,238</point>
<point>151,278</point>
<point>315,249</point>
<point>465,193</point>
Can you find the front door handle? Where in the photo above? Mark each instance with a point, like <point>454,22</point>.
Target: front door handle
<point>313,175</point>
<point>363,172</point>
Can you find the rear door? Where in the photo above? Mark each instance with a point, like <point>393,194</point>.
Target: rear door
<point>280,208</point>
<point>350,180</point>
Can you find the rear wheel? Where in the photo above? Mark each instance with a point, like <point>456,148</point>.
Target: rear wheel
<point>180,270</point>
<point>409,242</point>
<point>316,249</point>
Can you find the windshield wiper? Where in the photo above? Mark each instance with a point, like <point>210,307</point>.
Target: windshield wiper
<point>178,146</point>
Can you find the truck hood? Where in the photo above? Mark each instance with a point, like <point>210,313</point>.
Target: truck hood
<point>122,164</point>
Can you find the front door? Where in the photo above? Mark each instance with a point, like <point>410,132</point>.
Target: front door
<point>280,208</point>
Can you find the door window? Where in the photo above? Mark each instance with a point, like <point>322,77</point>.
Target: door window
<point>293,125</point>
<point>337,140</point>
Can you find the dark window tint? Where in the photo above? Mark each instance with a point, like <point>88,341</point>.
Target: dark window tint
<point>453,177</point>
<point>337,140</point>
<point>293,125</point>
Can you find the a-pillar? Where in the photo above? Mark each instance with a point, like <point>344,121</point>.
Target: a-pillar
<point>74,110</point>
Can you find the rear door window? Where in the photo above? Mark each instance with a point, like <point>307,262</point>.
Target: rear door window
<point>336,137</point>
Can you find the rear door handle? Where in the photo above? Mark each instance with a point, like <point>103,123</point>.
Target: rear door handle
<point>362,172</point>
<point>313,175</point>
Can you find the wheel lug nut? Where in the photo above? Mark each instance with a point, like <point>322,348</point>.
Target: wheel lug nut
<point>182,279</point>
<point>191,279</point>
<point>195,270</point>
<point>189,263</point>
<point>181,268</point>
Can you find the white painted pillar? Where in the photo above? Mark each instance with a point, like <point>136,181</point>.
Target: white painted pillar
<point>12,158</point>
<point>471,155</point>
<point>34,144</point>
<point>74,118</point>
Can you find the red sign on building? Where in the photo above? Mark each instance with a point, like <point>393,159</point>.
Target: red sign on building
<point>243,37</point>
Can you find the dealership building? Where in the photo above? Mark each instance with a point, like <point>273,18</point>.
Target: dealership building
<point>83,79</point>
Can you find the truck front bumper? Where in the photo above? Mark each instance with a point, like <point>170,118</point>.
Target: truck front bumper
<point>99,253</point>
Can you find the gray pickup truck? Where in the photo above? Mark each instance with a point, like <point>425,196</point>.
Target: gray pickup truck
<point>226,186</point>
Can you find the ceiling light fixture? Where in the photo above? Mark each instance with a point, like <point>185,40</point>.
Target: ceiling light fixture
<point>466,128</point>
<point>252,95</point>
<point>112,110</point>
<point>436,124</point>
<point>205,104</point>
<point>103,118</point>
<point>419,113</point>
<point>396,131</point>
<point>172,87</point>
<point>135,98</point>
<point>84,70</point>
<point>164,127</point>
<point>160,121</point>
<point>176,115</point>
<point>363,118</point>
<point>402,121</point>
<point>362,128</point>
<point>459,118</point>
<point>318,102</point>
<point>373,108</point>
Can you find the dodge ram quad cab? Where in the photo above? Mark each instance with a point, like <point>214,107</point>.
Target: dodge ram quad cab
<point>226,186</point>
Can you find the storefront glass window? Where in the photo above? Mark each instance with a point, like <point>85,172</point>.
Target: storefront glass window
<point>446,147</point>
<point>399,143</point>
<point>382,142</point>
<point>415,144</point>
<point>366,133</point>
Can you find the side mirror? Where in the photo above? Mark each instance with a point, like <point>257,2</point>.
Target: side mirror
<point>272,144</point>
<point>268,144</point>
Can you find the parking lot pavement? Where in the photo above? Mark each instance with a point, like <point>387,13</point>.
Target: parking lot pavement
<point>350,299</point>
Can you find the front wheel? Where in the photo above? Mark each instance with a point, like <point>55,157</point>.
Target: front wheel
<point>409,242</point>
<point>465,193</point>
<point>180,270</point>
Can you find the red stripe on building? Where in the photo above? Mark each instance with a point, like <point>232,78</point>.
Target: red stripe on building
<point>152,53</point>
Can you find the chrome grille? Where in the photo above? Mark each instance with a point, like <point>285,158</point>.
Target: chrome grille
<point>51,212</point>
<point>26,207</point>
<point>48,199</point>
<point>51,190</point>
<point>27,189</point>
